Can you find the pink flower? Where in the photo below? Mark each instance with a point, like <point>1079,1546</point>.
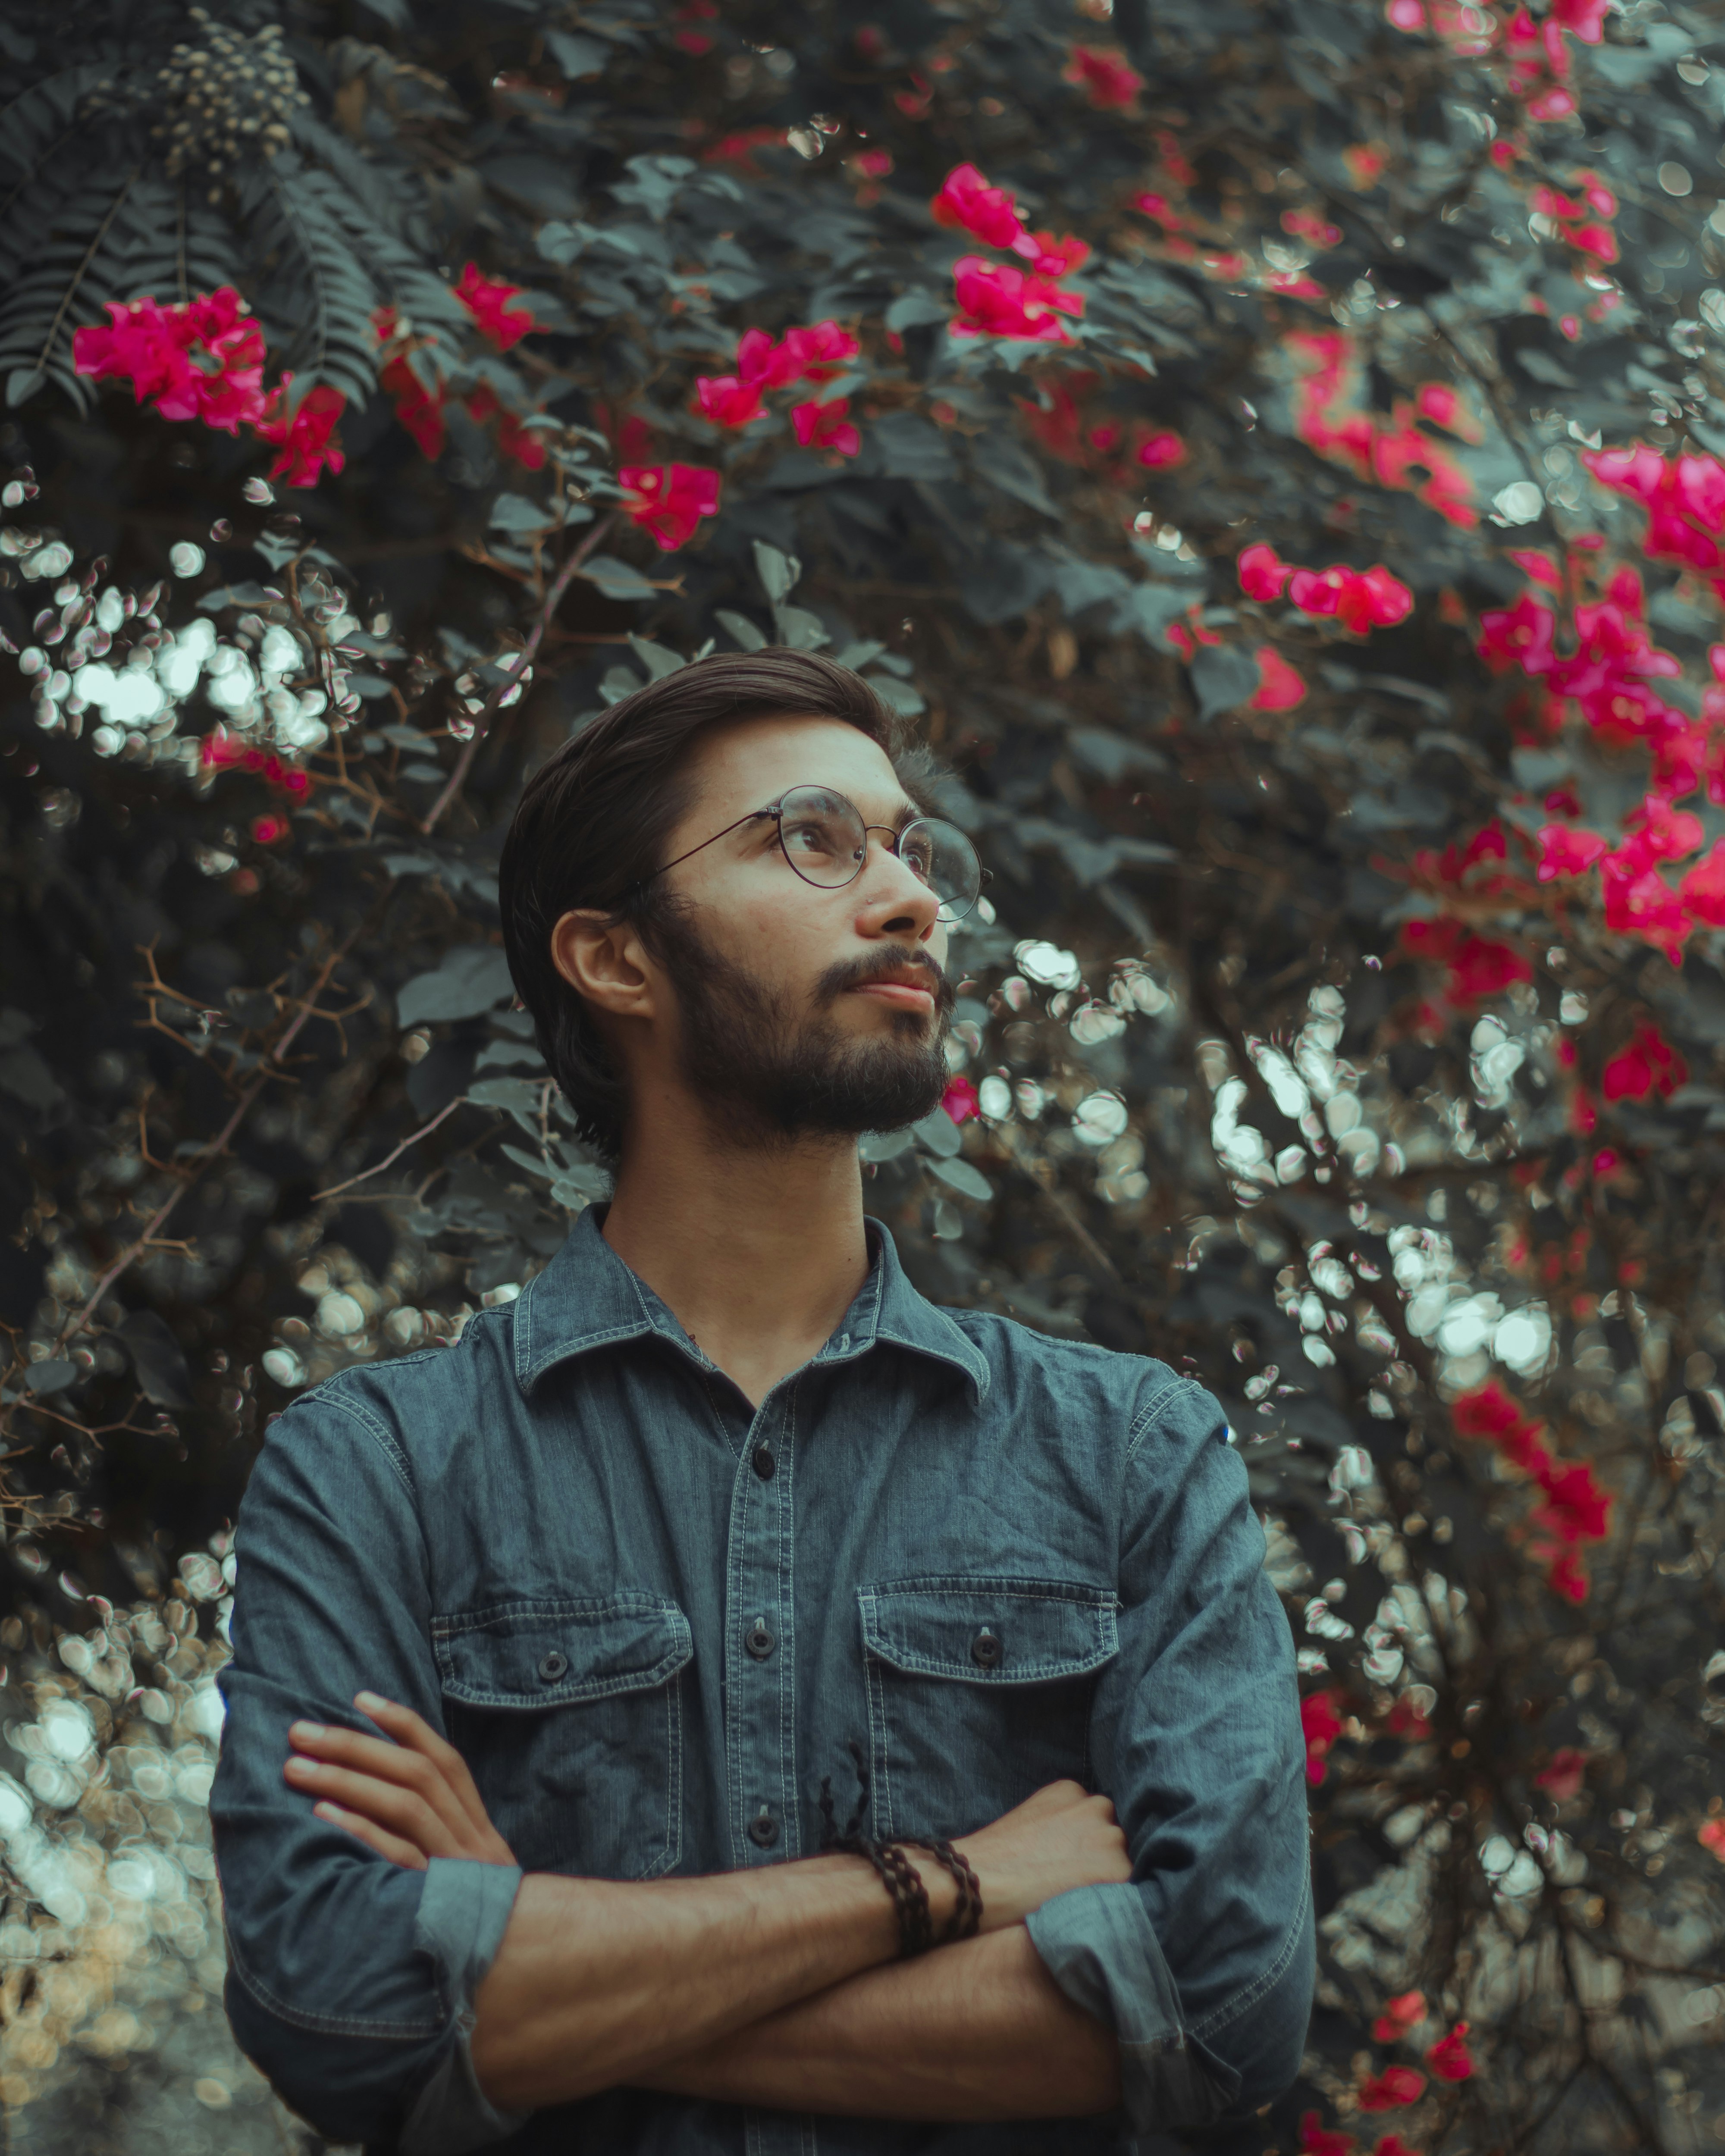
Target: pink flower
<point>968,204</point>
<point>670,500</point>
<point>1401,2015</point>
<point>1540,567</point>
<point>1050,257</point>
<point>1321,1719</point>
<point>201,360</point>
<point>1711,1835</point>
<point>1649,1064</point>
<point>487,301</point>
<point>1390,2090</point>
<point>1581,18</point>
<point>997,300</point>
<point>304,434</point>
<point>1280,687</point>
<point>1645,905</point>
<point>1104,76</point>
<point>1576,1509</point>
<point>1304,225</point>
<point>1448,2058</point>
<point>1161,450</point>
<point>762,364</point>
<point>1563,852</point>
<point>1702,891</point>
<point>1566,1574</point>
<point>825,427</point>
<point>524,443</point>
<point>1261,574</point>
<point>873,164</point>
<point>1521,636</point>
<point>1564,1777</point>
<point>727,401</point>
<point>820,350</point>
<point>1478,966</point>
<point>1409,15</point>
<point>1317,2139</point>
<point>961,1100</point>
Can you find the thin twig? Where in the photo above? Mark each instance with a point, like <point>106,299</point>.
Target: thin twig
<point>482,719</point>
<point>425,1131</point>
<point>218,1145</point>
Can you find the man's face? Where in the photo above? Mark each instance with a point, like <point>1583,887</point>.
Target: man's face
<point>801,1009</point>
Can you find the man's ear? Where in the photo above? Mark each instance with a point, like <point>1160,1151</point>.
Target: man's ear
<point>606,963</point>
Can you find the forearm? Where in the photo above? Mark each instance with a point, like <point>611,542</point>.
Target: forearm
<point>596,1984</point>
<point>975,2032</point>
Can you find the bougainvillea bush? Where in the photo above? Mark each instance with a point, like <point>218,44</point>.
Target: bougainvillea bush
<point>1278,451</point>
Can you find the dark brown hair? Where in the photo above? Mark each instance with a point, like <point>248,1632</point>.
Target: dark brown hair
<point>594,819</point>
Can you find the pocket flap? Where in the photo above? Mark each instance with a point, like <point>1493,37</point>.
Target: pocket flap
<point>553,1653</point>
<point>985,1630</point>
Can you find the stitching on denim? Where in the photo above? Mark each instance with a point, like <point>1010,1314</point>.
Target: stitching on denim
<point>323,2024</point>
<point>1230,2009</point>
<point>879,1730</point>
<point>380,1433</point>
<point>1141,1421</point>
<point>784,1616</point>
<point>576,1689</point>
<point>565,1350</point>
<point>671,1849</point>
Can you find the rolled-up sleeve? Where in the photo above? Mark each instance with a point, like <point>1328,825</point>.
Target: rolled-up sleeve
<point>351,1981</point>
<point>1203,1965</point>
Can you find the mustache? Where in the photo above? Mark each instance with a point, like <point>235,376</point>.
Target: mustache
<point>877,966</point>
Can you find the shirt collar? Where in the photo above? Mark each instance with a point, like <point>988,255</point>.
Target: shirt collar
<point>587,1297</point>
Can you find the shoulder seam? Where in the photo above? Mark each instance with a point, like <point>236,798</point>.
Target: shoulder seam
<point>380,1436</point>
<point>1141,1421</point>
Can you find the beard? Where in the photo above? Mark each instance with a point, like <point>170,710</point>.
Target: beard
<point>779,1074</point>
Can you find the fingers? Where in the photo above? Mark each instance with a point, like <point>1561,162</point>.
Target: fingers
<point>401,1812</point>
<point>390,1845</point>
<point>414,1732</point>
<point>377,1759</point>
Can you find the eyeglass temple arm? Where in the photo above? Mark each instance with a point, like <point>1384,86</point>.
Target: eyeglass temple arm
<point>753,816</point>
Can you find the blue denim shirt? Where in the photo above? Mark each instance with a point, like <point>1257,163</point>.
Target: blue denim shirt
<point>653,1619</point>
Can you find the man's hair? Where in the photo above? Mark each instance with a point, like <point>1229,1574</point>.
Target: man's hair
<point>594,821</point>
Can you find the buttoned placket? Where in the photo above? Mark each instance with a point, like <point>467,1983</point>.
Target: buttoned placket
<point>759,1679</point>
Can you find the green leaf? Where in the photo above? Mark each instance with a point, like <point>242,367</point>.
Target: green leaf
<point>897,695</point>
<point>577,57</point>
<point>53,1376</point>
<point>616,579</point>
<point>22,384</point>
<point>1225,676</point>
<point>24,1074</point>
<point>799,628</point>
<point>514,512</point>
<point>777,572</point>
<point>658,661</point>
<point>910,310</point>
<point>472,978</point>
<point>739,628</point>
<point>939,1133</point>
<point>884,1145</point>
<point>960,1175</point>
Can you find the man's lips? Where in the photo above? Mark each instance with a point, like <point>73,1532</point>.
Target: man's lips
<point>902,995</point>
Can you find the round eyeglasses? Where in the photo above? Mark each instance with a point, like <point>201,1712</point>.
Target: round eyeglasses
<point>826,841</point>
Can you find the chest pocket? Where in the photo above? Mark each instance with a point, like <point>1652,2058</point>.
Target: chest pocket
<point>980,1693</point>
<point>569,1715</point>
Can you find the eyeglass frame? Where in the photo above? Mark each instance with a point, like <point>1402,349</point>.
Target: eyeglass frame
<point>775,810</point>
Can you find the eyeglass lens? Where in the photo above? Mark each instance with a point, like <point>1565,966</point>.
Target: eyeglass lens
<point>826,842</point>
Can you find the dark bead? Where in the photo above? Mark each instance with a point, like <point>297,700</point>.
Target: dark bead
<point>759,1641</point>
<point>987,1651</point>
<point>553,1666</point>
<point>763,1829</point>
<point>763,1463</point>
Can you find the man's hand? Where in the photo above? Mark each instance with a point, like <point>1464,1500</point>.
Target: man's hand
<point>1061,1837</point>
<point>408,1795</point>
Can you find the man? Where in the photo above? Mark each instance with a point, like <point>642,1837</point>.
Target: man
<point>720,1533</point>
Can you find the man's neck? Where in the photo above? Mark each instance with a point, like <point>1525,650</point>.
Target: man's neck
<point>759,1251</point>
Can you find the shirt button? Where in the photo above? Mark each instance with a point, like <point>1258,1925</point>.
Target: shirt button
<point>764,1829</point>
<point>759,1641</point>
<point>551,1666</point>
<point>763,1463</point>
<point>987,1651</point>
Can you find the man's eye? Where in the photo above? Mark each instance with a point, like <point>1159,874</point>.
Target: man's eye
<point>809,838</point>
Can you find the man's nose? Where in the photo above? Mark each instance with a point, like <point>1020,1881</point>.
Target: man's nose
<point>895,899</point>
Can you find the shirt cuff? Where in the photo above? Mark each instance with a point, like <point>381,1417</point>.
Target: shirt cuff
<point>1097,1944</point>
<point>464,1908</point>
